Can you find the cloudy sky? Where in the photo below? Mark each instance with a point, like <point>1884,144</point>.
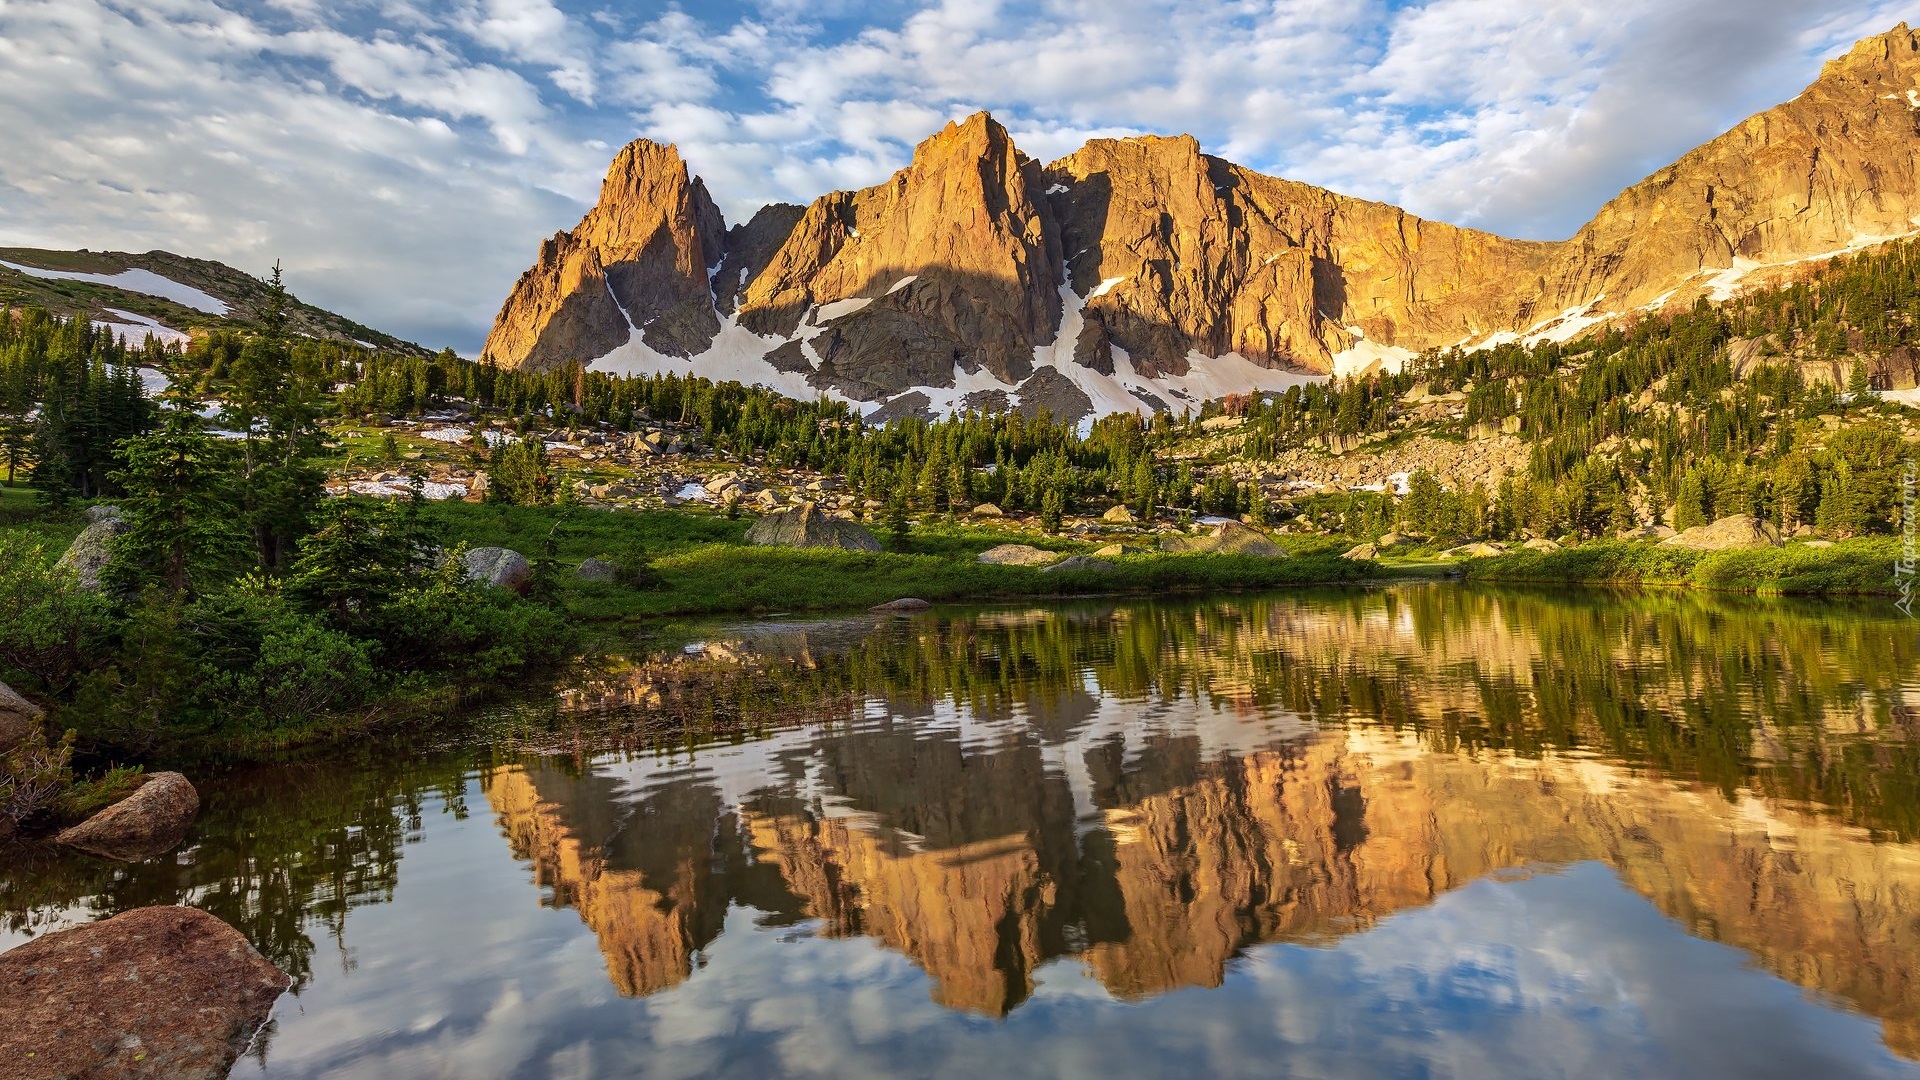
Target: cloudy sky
<point>404,158</point>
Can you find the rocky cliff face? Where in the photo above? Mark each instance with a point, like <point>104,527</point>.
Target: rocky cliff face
<point>1832,168</point>
<point>1138,272</point>
<point>636,265</point>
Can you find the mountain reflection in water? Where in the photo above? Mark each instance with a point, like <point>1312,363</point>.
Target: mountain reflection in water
<point>1131,786</point>
<point>1143,793</point>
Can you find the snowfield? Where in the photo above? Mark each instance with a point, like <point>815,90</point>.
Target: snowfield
<point>144,282</point>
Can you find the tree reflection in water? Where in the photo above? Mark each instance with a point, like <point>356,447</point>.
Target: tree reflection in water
<point>1149,788</point>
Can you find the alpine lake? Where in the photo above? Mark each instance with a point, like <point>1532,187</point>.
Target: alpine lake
<point>1424,830</point>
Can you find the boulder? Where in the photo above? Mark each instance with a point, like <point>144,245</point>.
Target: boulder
<point>1114,551</point>
<point>1540,545</point>
<point>1817,544</point>
<point>988,510</point>
<point>103,512</point>
<point>904,606</point>
<point>1477,551</point>
<point>1728,534</point>
<point>151,821</point>
<point>92,550</point>
<point>599,571</point>
<point>1118,515</point>
<point>1227,538</point>
<point>160,992</point>
<point>1017,555</point>
<point>1080,562</point>
<point>18,716</point>
<point>1394,540</point>
<point>805,526</point>
<point>500,567</point>
<point>1362,553</point>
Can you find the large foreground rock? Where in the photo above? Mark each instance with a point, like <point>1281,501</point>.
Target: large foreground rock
<point>804,526</point>
<point>162,992</point>
<point>92,550</point>
<point>18,716</point>
<point>500,567</point>
<point>151,821</point>
<point>1227,538</point>
<point>1017,555</point>
<point>1728,534</point>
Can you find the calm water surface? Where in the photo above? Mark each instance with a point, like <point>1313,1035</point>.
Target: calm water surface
<point>1428,831</point>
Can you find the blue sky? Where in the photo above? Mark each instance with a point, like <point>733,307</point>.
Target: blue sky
<point>405,158</point>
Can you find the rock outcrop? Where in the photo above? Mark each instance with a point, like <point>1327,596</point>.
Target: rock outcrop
<point>1135,259</point>
<point>805,526</point>
<point>1081,563</point>
<point>18,717</point>
<point>1227,538</point>
<point>1728,534</point>
<point>502,568</point>
<point>1017,555</point>
<point>151,821</point>
<point>637,263</point>
<point>92,550</point>
<point>170,993</point>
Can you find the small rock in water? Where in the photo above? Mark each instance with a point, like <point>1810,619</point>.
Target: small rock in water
<point>156,992</point>
<point>151,821</point>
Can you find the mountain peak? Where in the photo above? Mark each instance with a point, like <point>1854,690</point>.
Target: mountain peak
<point>1143,273</point>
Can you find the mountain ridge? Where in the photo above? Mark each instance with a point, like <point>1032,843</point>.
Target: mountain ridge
<point>1137,274</point>
<point>169,296</point>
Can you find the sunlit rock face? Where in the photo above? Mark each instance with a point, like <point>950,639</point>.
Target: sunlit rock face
<point>978,271</point>
<point>1155,830</point>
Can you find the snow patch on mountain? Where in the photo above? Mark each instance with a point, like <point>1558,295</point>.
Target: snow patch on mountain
<point>138,328</point>
<point>144,282</point>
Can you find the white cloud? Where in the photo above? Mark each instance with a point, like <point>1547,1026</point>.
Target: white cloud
<point>405,158</point>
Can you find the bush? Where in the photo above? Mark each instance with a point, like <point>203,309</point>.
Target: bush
<point>33,776</point>
<point>273,665</point>
<point>49,626</point>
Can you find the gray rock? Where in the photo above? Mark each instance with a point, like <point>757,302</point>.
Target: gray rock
<point>903,606</point>
<point>805,526</point>
<point>1118,515</point>
<point>151,821</point>
<point>1080,562</point>
<point>103,512</point>
<point>1541,545</point>
<point>1362,553</point>
<point>500,567</point>
<point>1017,555</point>
<point>155,992</point>
<point>92,550</point>
<point>1735,533</point>
<point>18,716</point>
<point>1227,538</point>
<point>599,571</point>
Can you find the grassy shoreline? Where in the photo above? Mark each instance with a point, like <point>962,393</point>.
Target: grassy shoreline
<point>1862,567</point>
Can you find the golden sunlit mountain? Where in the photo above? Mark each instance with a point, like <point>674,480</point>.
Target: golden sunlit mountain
<point>1143,273</point>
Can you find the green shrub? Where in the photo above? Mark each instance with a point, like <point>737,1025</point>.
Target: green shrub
<point>50,628</point>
